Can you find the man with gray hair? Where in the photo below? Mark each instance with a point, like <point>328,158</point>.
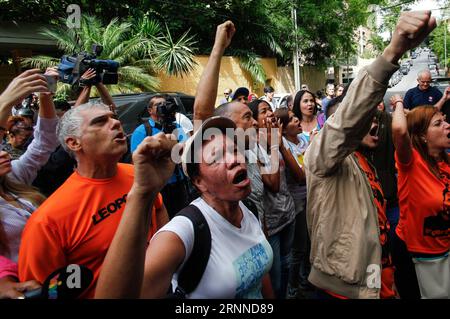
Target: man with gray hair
<point>425,94</point>
<point>76,224</point>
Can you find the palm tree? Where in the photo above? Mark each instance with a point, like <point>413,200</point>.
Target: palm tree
<point>140,46</point>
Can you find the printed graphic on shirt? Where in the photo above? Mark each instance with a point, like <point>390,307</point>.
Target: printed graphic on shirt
<point>439,225</point>
<point>387,275</point>
<point>380,203</point>
<point>109,209</point>
<point>249,268</point>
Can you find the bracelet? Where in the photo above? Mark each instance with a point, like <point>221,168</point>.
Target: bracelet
<point>396,101</point>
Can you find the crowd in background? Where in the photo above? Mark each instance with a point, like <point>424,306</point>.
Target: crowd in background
<point>348,201</point>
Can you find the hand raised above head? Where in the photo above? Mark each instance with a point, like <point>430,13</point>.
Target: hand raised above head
<point>412,28</point>
<point>224,34</point>
<point>22,86</point>
<point>152,161</point>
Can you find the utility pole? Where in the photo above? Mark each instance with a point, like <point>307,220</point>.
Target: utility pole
<point>445,46</point>
<point>297,78</point>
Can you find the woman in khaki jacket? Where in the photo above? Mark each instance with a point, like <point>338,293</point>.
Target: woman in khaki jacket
<point>341,212</point>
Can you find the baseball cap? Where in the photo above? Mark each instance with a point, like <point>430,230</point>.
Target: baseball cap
<point>242,91</point>
<point>188,162</point>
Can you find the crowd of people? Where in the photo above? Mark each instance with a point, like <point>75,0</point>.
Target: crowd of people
<point>332,198</point>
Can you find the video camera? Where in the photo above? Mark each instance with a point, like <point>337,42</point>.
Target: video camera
<point>72,68</point>
<point>166,111</point>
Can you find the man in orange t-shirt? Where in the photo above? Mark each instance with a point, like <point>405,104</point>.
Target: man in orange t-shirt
<point>76,225</point>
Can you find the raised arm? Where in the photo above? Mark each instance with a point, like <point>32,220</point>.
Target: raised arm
<point>445,97</point>
<point>400,136</point>
<point>105,96</point>
<point>25,168</point>
<point>86,91</point>
<point>205,96</point>
<point>20,87</point>
<point>343,132</point>
<point>46,105</point>
<point>124,262</point>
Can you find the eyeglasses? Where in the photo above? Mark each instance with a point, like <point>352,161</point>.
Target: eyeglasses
<point>226,93</point>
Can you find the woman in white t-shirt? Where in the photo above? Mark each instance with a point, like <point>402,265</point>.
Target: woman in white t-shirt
<point>240,257</point>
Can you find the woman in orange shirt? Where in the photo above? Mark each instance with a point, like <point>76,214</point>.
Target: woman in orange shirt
<point>421,140</point>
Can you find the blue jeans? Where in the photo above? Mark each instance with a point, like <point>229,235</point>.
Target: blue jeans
<point>281,244</point>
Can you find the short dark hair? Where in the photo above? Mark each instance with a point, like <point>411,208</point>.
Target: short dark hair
<point>157,96</point>
<point>268,89</point>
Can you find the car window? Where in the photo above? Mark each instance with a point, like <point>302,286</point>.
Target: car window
<point>188,103</point>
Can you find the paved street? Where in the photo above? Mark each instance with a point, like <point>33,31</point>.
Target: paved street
<point>410,80</point>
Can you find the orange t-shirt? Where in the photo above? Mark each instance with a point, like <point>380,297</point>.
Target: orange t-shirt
<point>387,273</point>
<point>424,202</point>
<point>76,225</point>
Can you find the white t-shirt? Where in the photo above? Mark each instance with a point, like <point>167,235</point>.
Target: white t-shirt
<point>184,122</point>
<point>239,259</point>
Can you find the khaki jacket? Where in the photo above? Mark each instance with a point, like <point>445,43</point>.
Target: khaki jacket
<point>341,214</point>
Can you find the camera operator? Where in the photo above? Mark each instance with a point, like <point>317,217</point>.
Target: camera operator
<point>162,118</point>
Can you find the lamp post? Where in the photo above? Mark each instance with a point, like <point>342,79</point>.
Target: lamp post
<point>296,53</point>
<point>445,47</point>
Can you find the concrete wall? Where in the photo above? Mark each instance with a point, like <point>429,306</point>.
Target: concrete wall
<point>314,77</point>
<point>232,76</point>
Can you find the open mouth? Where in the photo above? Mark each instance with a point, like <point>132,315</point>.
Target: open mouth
<point>374,131</point>
<point>120,136</point>
<point>240,177</point>
<point>448,135</point>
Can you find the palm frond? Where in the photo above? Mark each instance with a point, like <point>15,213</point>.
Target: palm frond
<point>113,35</point>
<point>90,32</point>
<point>40,62</point>
<point>175,58</point>
<point>148,28</point>
<point>145,64</point>
<point>252,64</point>
<point>65,39</point>
<point>137,77</point>
<point>132,49</point>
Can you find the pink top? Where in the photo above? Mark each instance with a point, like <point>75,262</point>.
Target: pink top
<point>7,267</point>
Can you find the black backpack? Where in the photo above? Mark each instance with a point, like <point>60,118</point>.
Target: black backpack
<point>127,157</point>
<point>193,269</point>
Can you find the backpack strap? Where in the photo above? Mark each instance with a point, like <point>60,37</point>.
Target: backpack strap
<point>148,128</point>
<point>195,265</point>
